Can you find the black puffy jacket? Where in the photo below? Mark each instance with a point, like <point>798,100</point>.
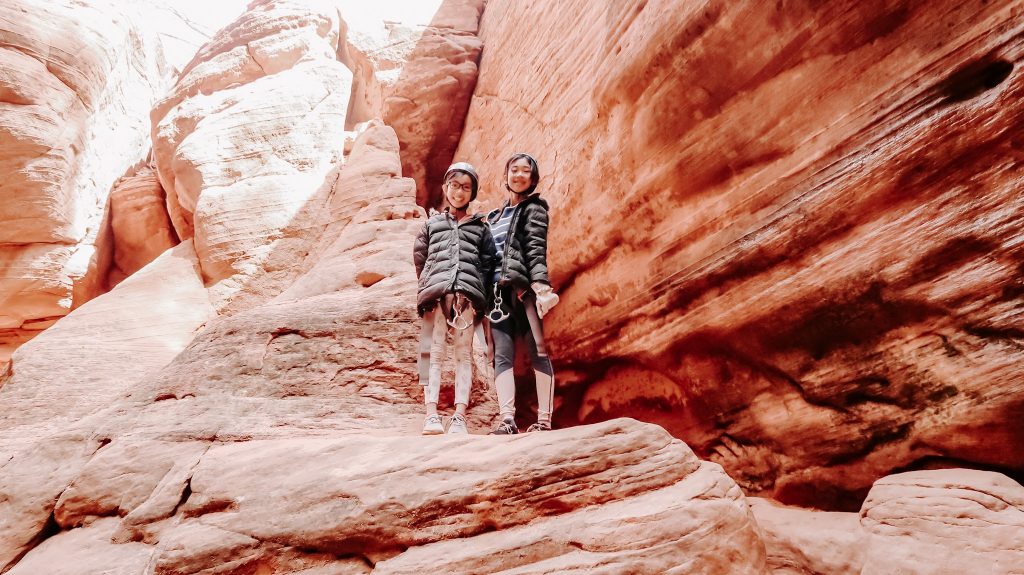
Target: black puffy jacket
<point>453,257</point>
<point>525,256</point>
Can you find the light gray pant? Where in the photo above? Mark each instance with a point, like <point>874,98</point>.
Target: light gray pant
<point>433,346</point>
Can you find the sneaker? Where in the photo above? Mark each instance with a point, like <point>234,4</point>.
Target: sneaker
<point>432,425</point>
<point>539,426</point>
<point>458,425</point>
<point>506,427</point>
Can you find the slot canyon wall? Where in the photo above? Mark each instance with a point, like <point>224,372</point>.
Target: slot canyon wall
<point>787,238</point>
<point>790,233</point>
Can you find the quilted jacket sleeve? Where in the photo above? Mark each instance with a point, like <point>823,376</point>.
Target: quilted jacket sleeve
<point>535,247</point>
<point>419,250</point>
<point>488,254</point>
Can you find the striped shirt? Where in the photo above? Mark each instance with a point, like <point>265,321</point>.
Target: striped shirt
<point>499,230</point>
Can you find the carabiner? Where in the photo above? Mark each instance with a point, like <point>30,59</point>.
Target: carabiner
<point>458,321</point>
<point>497,315</point>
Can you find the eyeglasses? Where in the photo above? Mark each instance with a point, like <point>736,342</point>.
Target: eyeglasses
<point>453,185</point>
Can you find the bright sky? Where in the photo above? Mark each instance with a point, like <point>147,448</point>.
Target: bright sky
<point>205,17</point>
<point>364,14</point>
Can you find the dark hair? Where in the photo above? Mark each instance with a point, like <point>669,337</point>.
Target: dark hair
<point>534,170</point>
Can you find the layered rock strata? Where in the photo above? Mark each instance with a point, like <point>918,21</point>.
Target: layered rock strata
<point>247,142</point>
<point>77,81</point>
<point>922,522</point>
<point>803,226</point>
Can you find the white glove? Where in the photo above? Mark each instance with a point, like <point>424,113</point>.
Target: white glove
<point>546,298</point>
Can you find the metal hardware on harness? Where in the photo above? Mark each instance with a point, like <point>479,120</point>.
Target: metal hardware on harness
<point>458,321</point>
<point>497,314</point>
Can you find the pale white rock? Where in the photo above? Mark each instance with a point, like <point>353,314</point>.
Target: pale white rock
<point>91,357</point>
<point>697,525</point>
<point>30,482</point>
<point>125,475</point>
<point>247,142</point>
<point>800,541</point>
<point>81,366</point>
<point>86,551</point>
<point>950,521</point>
<point>77,81</point>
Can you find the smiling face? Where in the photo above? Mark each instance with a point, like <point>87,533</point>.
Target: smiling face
<point>458,190</point>
<point>520,175</point>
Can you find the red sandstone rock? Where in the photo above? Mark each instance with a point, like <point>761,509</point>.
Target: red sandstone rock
<point>282,435</point>
<point>803,226</point>
<point>140,228</point>
<point>418,77</point>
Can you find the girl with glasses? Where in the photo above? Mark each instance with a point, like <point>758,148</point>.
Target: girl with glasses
<point>454,256</point>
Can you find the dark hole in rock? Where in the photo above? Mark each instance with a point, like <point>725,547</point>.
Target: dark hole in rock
<point>975,79</point>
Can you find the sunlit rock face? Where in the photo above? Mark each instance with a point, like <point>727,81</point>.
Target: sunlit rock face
<point>952,520</point>
<point>246,141</point>
<point>791,236</point>
<point>82,366</point>
<point>77,80</point>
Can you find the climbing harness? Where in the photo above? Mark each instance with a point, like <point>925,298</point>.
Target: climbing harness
<point>456,319</point>
<point>497,314</point>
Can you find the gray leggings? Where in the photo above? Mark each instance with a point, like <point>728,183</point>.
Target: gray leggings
<point>522,320</point>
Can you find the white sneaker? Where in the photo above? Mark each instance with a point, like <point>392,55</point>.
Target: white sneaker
<point>458,425</point>
<point>432,425</point>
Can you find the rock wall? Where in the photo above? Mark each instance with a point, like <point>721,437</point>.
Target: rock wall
<point>419,78</point>
<point>793,247</point>
<point>937,521</point>
<point>246,142</point>
<point>792,236</point>
<point>139,227</point>
<point>281,434</point>
<point>77,81</point>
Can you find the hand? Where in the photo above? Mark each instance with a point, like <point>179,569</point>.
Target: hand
<point>546,298</point>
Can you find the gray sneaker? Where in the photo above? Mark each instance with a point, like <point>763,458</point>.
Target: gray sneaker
<point>539,426</point>
<point>506,427</point>
<point>432,425</point>
<point>457,425</point>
